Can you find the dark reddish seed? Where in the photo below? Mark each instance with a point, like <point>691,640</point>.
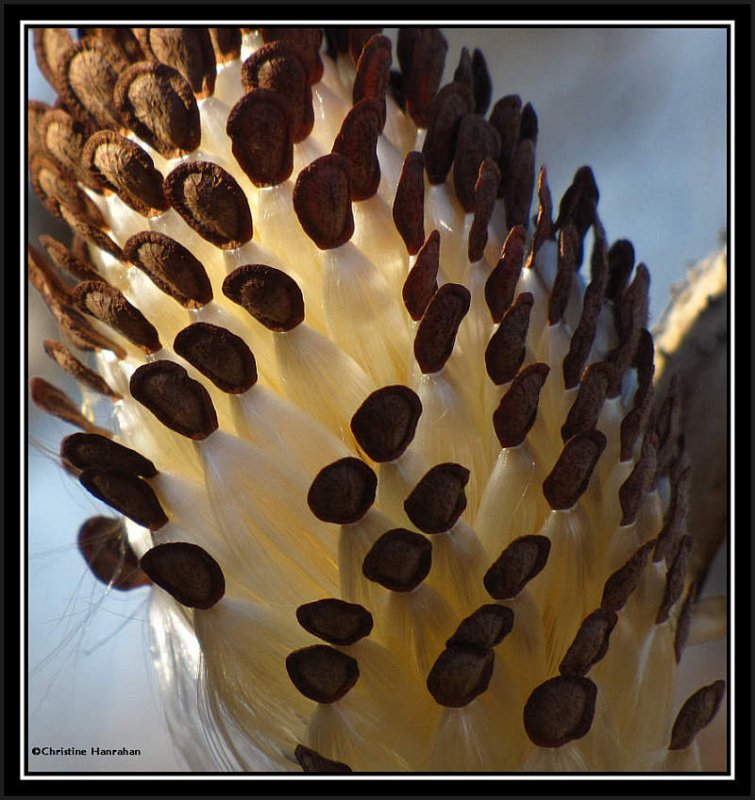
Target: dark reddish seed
<point>85,376</point>
<point>583,336</point>
<point>452,103</point>
<point>519,185</point>
<point>428,59</point>
<point>157,104</point>
<point>409,203</point>
<point>322,201</point>
<point>501,283</point>
<point>683,622</point>
<point>312,761</point>
<point>640,480</point>
<point>585,410</point>
<point>632,317</point>
<point>373,73</point>
<point>436,333</point>
<point>399,560</point>
<point>697,712</point>
<point>544,222</point>
<point>528,124</point>
<point>121,39</point>
<point>463,72</point>
<point>459,675</point>
<point>358,38</point>
<point>635,421</point>
<point>668,425</point>
<point>385,423</point>
<point>91,233</point>
<point>482,85</point>
<point>63,139</point>
<point>487,627</point>
<point>85,450</point>
<point>505,118</point>
<point>127,493</point>
<point>620,585</point>
<point>578,205</point>
<point>219,355</point>
<point>179,402</point>
<point>322,673</point>
<point>226,42</point>
<point>273,298</point>
<point>306,42</point>
<point>335,621</point>
<point>519,563</point>
<point>590,644</point>
<point>64,260</point>
<point>357,142</point>
<point>343,491</point>
<point>620,264</point>
<point>506,349</point>
<point>421,283</point>
<point>570,477</point>
<point>675,579</point>
<point>517,411</point>
<point>103,543</point>
<point>567,267</point>
<point>80,333</point>
<point>674,521</point>
<point>485,193</point>
<point>560,710</point>
<point>108,305</point>
<point>57,192</point>
<point>477,140</point>
<point>187,572</point>
<point>438,500</point>
<point>53,401</point>
<point>188,50</point>
<point>50,44</point>
<point>211,202</point>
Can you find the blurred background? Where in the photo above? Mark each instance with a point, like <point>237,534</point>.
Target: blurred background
<point>646,108</point>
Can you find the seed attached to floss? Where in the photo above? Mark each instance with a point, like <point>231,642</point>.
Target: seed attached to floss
<point>519,563</point>
<point>569,478</point>
<point>312,761</point>
<point>436,333</point>
<point>485,628</point>
<point>273,298</point>
<point>385,423</point>
<point>438,500</point>
<point>342,492</point>
<point>187,572</point>
<point>85,450</point>
<point>335,621</point>
<point>399,560</point>
<point>322,673</point>
<point>560,710</point>
<point>421,283</point>
<point>126,492</point>
<point>85,376</point>
<point>695,714</point>
<point>104,545</point>
<point>517,410</point>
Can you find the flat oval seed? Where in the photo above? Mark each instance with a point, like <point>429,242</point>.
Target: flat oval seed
<point>322,201</point>
<point>125,492</point>
<point>56,191</point>
<point>49,46</point>
<point>520,184</point>
<point>505,117</point>
<point>683,622</point>
<point>103,543</point>
<point>85,376</point>
<point>436,333</point>
<point>399,560</point>
<point>485,628</point>
<point>343,491</point>
<point>506,349</point>
<point>180,403</point>
<point>590,644</point>
<point>53,401</point>
<point>428,60</point>
<point>583,336</point>
<point>620,584</point>
<point>211,202</point>
<point>438,500</point>
<point>675,580</point>
<point>544,222</point>
<point>63,139</point>
<point>358,38</point>
<point>674,520</point>
<point>408,205</point>
<point>357,142</point>
<point>335,621</point>
<point>373,72</point>
<point>306,42</point>
<point>567,266</point>
<point>121,165</point>
<point>85,450</point>
<point>188,50</point>
<point>569,478</point>
<point>453,102</point>
<point>477,140</point>
<point>517,411</point>
<point>519,563</point>
<point>485,193</point>
<point>260,129</point>
<point>642,477</point>
<point>219,355</point>
<point>80,333</point>
<point>585,410</point>
<point>273,298</point>
<point>171,267</point>
<point>578,205</point>
<point>697,712</point>
<point>385,423</point>
<point>108,305</point>
<point>560,710</point>
<point>322,673</point>
<point>64,260</point>
<point>422,281</point>
<point>501,283</point>
<point>459,675</point>
<point>91,233</point>
<point>312,761</point>
<point>157,103</point>
<point>187,572</point>
<point>121,39</point>
<point>620,264</point>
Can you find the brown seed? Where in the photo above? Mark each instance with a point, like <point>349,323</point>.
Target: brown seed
<point>482,85</point>
<point>477,140</point>
<point>452,103</point>
<point>259,127</point>
<point>569,478</point>
<point>125,168</point>
<point>438,500</point>
<point>44,278</point>
<point>506,349</point>
<point>121,39</point>
<point>684,621</point>
<point>675,519</point>
<point>127,493</point>
<point>65,260</point>
<point>560,710</point>
<point>583,336</point>
<point>675,579</point>
<point>91,233</point>
<point>634,423</point>
<point>63,139</point>
<point>459,675</point>
<point>85,376</point>
<point>52,400</point>
<point>578,205</point>
<point>322,201</point>
<point>85,450</point>
<point>585,410</point>
<point>357,142</point>
<point>171,267</point>
<point>632,316</point>
<point>226,42</point>
<point>505,118</point>
<point>528,124</point>
<point>57,192</point>
<point>640,480</point>
<point>544,223</point>
<point>399,560</point>
<point>277,68</point>
<point>179,402</point>
<point>567,267</point>
<point>187,572</point>
<point>620,585</point>
<point>49,46</point>
<point>520,184</point>
<point>487,627</point>
<point>358,38</point>
<point>436,333</point>
<point>312,761</point>
<point>188,50</point>
<point>87,75</point>
<point>80,333</point>
<point>385,423</point>
<point>421,283</point>
<point>219,355</point>
<point>343,491</point>
<point>335,621</point>
<point>157,103</point>
<point>485,193</point>
<point>590,644</point>
<point>35,113</point>
<point>108,305</point>
<point>373,70</point>
<point>322,673</point>
<point>104,545</point>
<point>211,202</point>
<point>307,43</point>
<point>408,205</point>
<point>428,59</point>
<point>463,72</point>
<point>517,565</point>
<point>668,425</point>
<point>273,298</point>
<point>517,411</point>
<point>501,283</point>
<point>697,712</point>
<point>620,263</point>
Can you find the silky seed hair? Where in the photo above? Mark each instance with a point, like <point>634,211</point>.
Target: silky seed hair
<point>386,454</point>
